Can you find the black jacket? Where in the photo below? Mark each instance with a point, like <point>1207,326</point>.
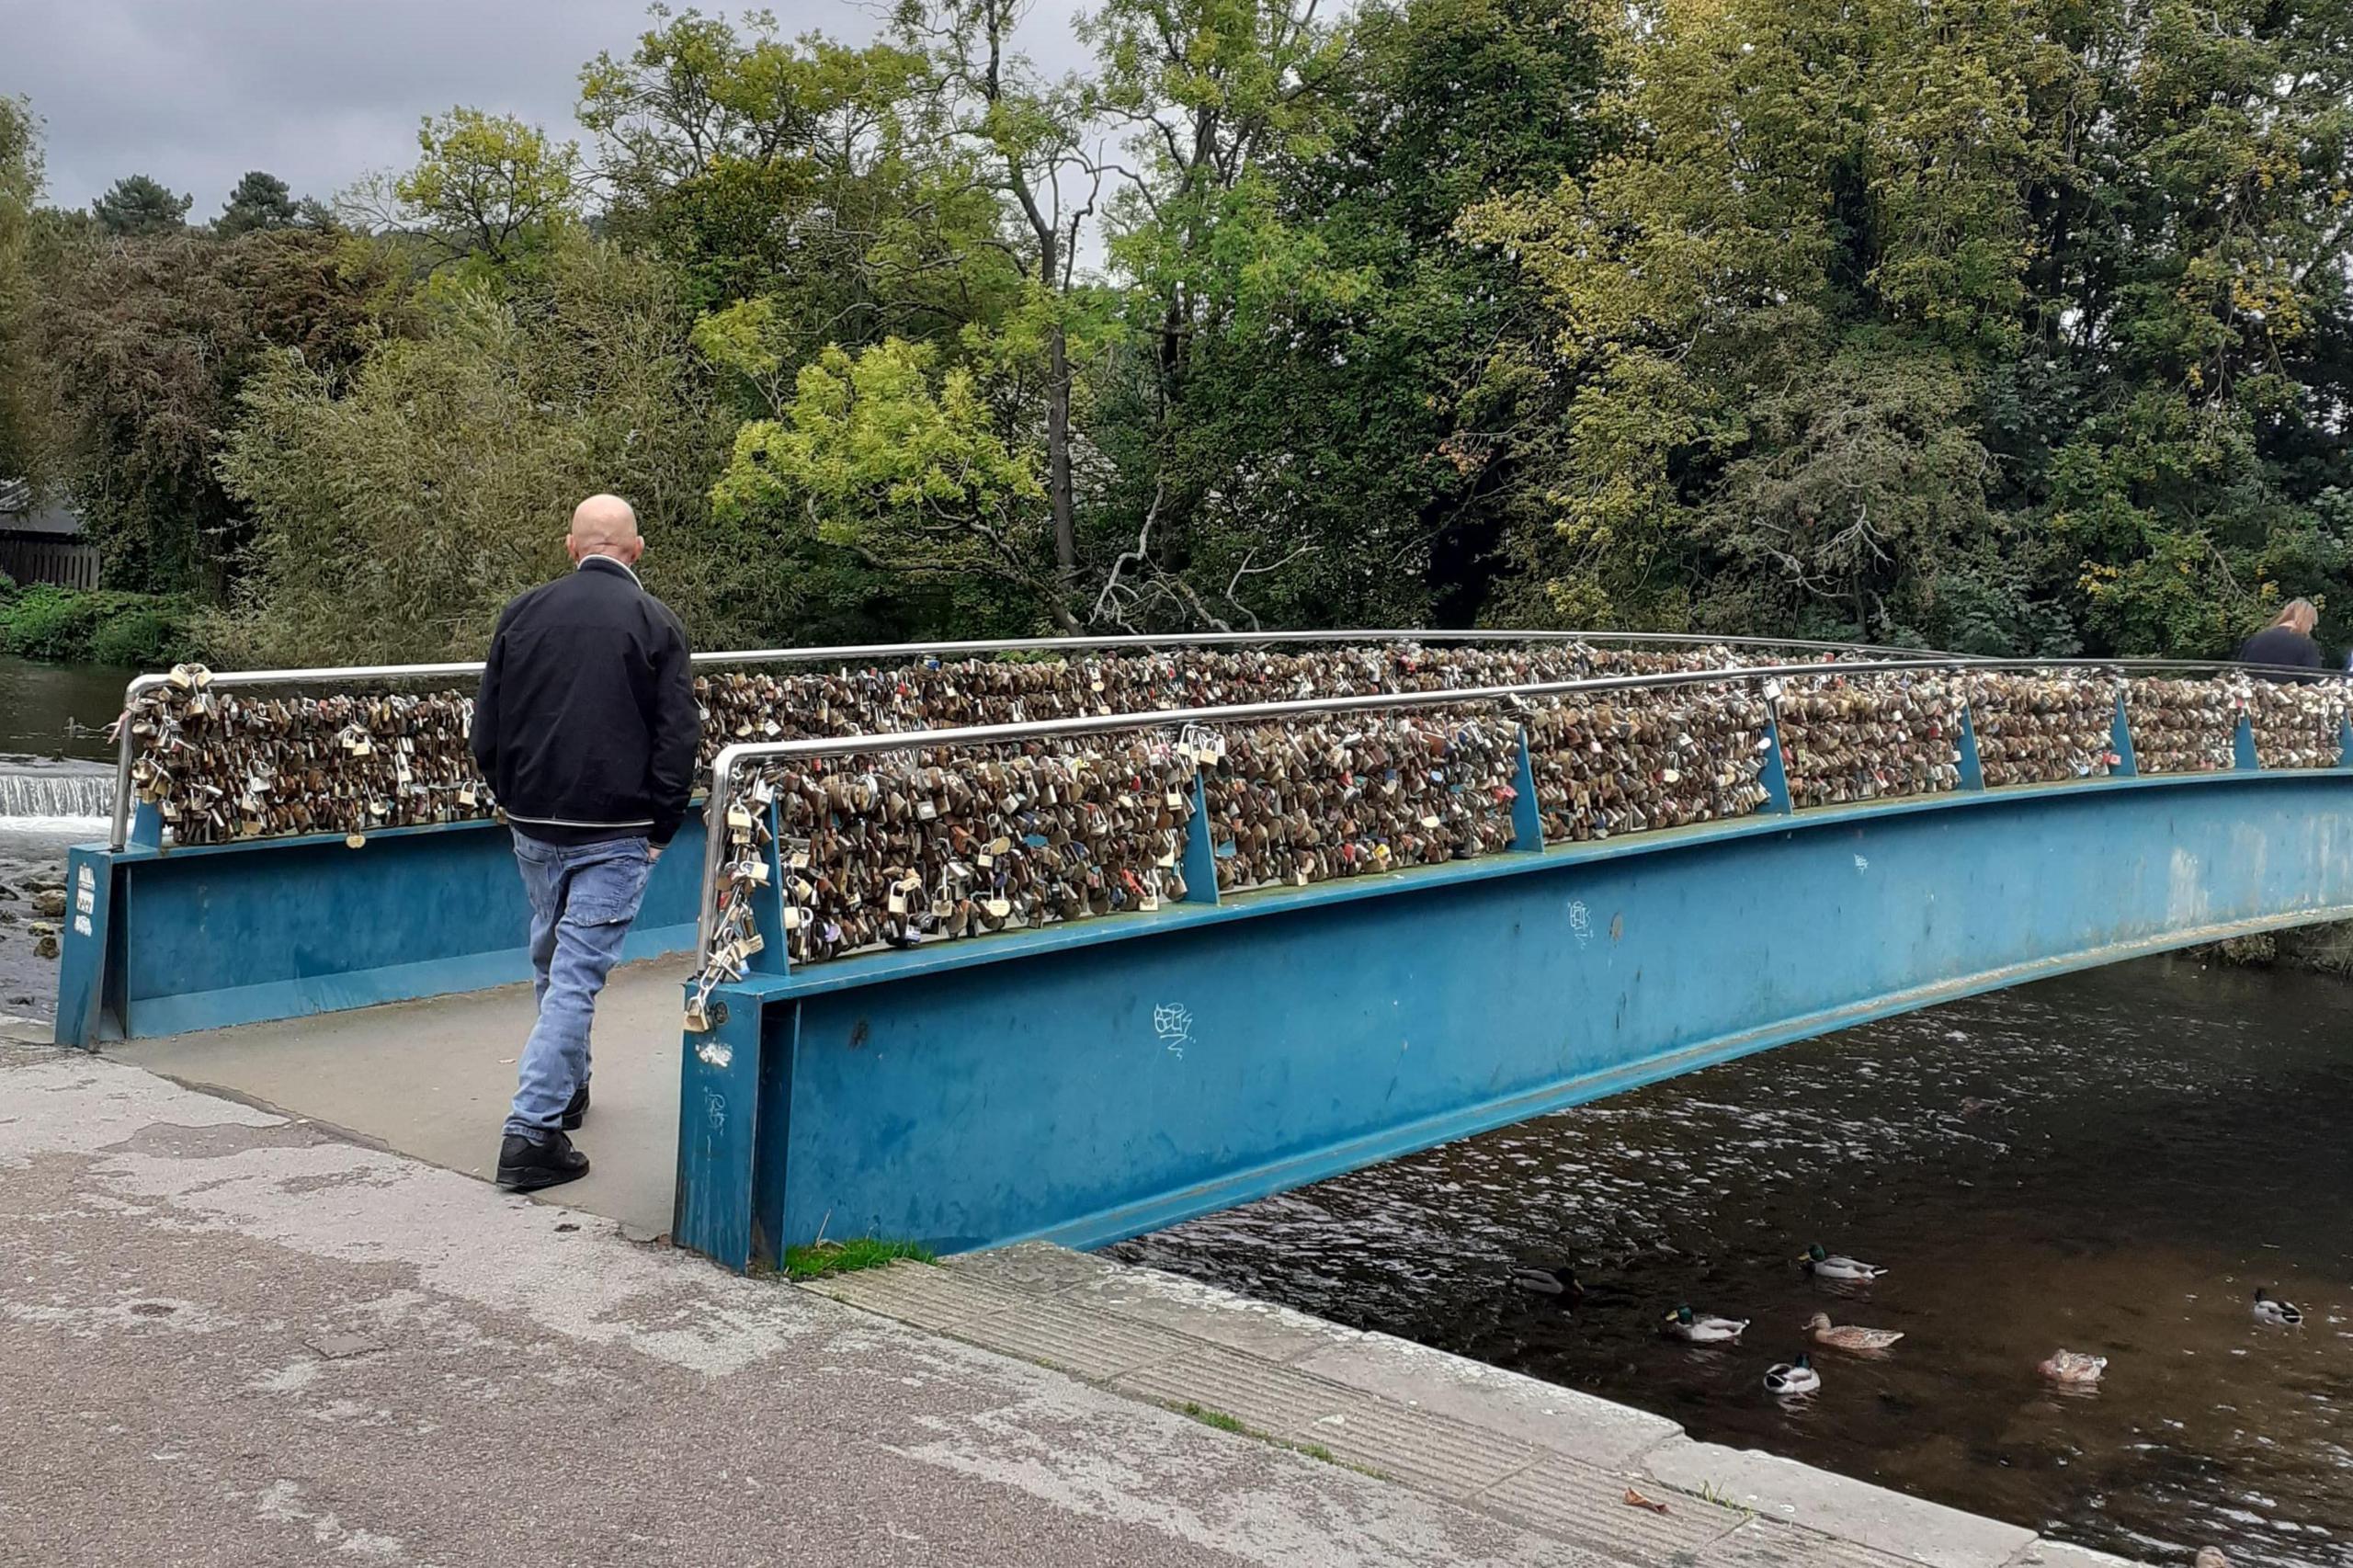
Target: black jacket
<point>2278,645</point>
<point>587,722</point>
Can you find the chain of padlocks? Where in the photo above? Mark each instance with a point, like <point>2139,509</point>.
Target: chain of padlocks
<point>893,849</point>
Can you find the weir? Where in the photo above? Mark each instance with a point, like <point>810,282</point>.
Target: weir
<point>1083,1079</point>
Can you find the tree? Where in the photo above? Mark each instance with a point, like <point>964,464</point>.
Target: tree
<point>259,202</point>
<point>20,178</point>
<point>802,171</point>
<point>397,503</point>
<point>1988,322</point>
<point>881,454</point>
<point>138,205</point>
<point>1032,138</point>
<point>489,187</point>
<point>146,343</point>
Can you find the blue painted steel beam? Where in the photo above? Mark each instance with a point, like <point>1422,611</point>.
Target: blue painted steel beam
<point>1091,1082</point>
<point>214,935</point>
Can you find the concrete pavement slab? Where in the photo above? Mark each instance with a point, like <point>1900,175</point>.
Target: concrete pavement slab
<point>1857,1511</point>
<point>1583,1502</point>
<point>1550,1416</point>
<point>190,1284</point>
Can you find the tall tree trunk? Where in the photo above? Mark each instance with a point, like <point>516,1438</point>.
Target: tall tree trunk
<point>1058,481</point>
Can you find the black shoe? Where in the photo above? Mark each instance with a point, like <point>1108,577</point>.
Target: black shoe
<point>549,1160</point>
<point>579,1109</point>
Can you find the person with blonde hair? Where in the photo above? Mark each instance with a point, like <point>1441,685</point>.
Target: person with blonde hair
<point>2286,640</point>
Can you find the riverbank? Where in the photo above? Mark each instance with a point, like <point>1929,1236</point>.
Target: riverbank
<point>204,1289</point>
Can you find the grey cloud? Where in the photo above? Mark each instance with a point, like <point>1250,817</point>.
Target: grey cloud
<point>320,92</point>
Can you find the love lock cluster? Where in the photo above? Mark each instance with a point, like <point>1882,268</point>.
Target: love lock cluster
<point>2183,726</point>
<point>2042,726</point>
<point>218,765</point>
<point>2297,724</point>
<point>904,848</point>
<point>1646,758</point>
<point>1303,803</point>
<point>1869,737</point>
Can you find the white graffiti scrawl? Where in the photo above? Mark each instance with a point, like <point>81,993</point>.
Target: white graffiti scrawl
<point>1173,1026</point>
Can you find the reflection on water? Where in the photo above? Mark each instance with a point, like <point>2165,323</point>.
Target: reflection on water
<point>58,710</point>
<point>2110,1162</point>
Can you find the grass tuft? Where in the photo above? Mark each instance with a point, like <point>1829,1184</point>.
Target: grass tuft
<point>1217,1418</point>
<point>847,1257</point>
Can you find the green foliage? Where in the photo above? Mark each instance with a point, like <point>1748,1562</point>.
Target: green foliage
<point>901,466</point>
<point>396,508</point>
<point>1977,322</point>
<point>21,177</point>
<point>105,627</point>
<point>824,1258</point>
<point>261,201</point>
<point>2001,325</point>
<point>489,188</point>
<point>147,341</point>
<point>136,205</point>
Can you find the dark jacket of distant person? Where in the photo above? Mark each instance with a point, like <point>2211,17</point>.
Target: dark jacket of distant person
<point>587,722</point>
<point>2287,641</point>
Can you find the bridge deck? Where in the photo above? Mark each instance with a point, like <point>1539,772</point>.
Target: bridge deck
<point>432,1078</point>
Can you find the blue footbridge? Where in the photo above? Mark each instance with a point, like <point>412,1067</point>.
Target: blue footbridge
<point>1073,939</point>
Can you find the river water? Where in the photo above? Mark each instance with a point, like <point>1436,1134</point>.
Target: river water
<point>55,790</point>
<point>2109,1163</point>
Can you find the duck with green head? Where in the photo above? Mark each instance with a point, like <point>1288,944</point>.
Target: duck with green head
<point>1790,1379</point>
<point>1837,1265</point>
<point>1685,1324</point>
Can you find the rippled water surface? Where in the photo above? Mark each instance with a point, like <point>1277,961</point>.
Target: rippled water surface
<point>2108,1163</point>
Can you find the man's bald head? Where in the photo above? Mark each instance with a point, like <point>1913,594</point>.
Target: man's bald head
<point>605,525</point>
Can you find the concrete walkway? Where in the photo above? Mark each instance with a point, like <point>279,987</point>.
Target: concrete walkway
<point>432,1079</point>
<point>233,1337</point>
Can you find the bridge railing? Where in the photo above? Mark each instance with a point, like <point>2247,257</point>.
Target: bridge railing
<point>834,846</point>
<point>402,758</point>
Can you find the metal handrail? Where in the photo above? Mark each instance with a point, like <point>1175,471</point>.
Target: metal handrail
<point>121,831</point>
<point>723,767</point>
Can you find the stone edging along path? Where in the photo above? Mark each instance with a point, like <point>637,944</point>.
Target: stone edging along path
<point>1545,1457</point>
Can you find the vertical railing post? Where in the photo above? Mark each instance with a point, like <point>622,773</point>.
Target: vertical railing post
<point>1199,862</point>
<point>2344,743</point>
<point>767,903</point>
<point>2120,740</point>
<point>147,825</point>
<point>1774,776</point>
<point>2243,752</point>
<point>1972,771</point>
<point>1526,821</point>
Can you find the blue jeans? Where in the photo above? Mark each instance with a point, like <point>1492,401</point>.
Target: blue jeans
<point>583,897</point>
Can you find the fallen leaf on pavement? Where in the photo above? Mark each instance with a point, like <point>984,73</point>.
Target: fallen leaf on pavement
<point>1636,1500</point>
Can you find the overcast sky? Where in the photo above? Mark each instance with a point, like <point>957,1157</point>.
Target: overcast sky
<point>320,92</point>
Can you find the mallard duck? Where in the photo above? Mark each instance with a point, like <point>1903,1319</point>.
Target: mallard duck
<point>1685,1324</point>
<point>1850,1337</point>
<point>1561,1281</point>
<point>1833,1266</point>
<point>2278,1314</point>
<point>1792,1377</point>
<point>2074,1367</point>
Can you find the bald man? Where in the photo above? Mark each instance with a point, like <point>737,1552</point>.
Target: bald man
<point>585,727</point>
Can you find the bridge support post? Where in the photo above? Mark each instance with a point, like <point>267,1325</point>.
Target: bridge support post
<point>727,1160</point>
<point>2120,740</point>
<point>1526,821</point>
<point>1774,777</point>
<point>1199,860</point>
<point>1972,771</point>
<point>2243,756</point>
